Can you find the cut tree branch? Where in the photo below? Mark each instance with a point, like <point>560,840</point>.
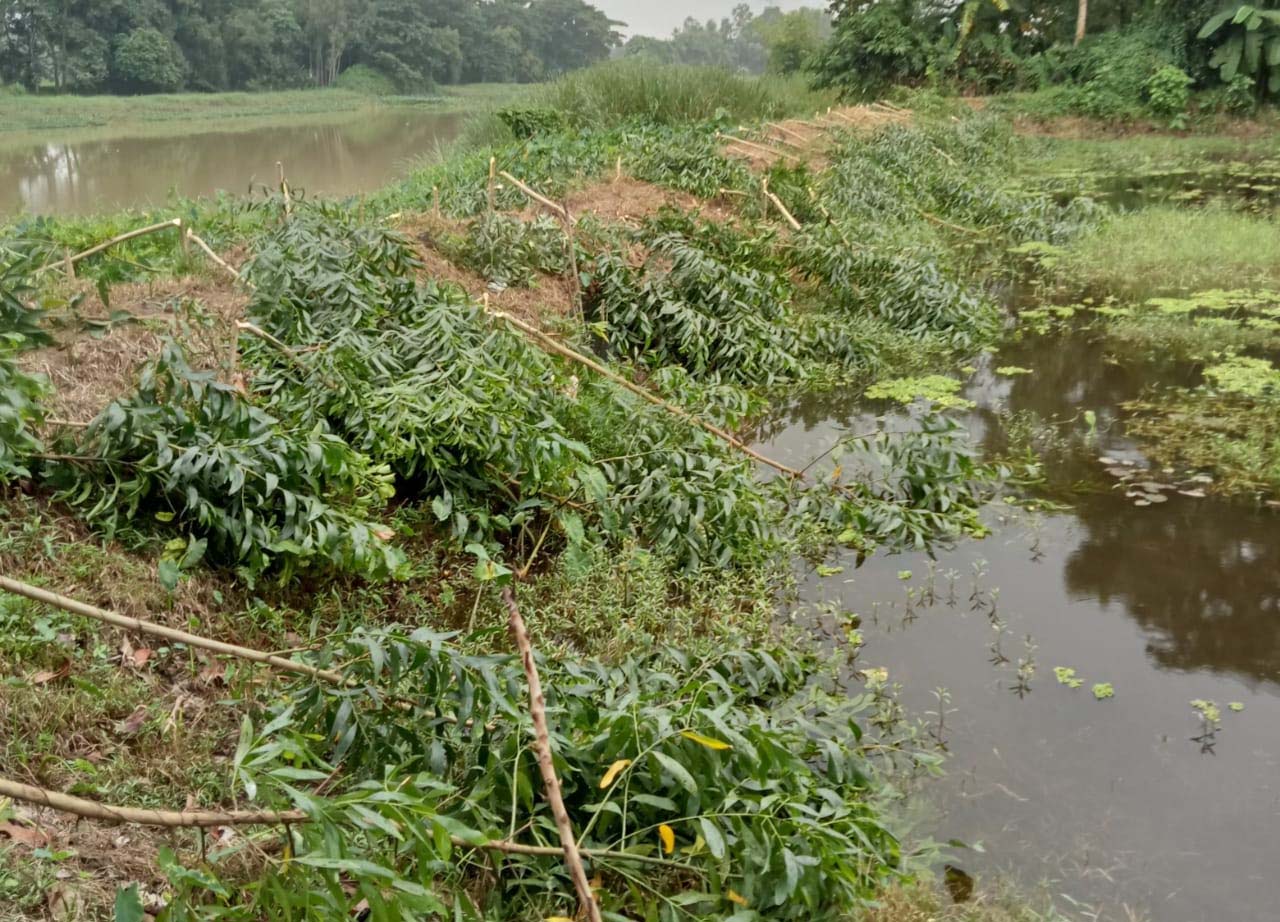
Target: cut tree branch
<point>129,235</point>
<point>536,196</point>
<point>538,710</point>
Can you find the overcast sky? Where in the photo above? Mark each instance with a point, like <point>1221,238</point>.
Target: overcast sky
<point>659,17</point>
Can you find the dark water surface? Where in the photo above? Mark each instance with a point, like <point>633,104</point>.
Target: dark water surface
<point>1110,803</point>
<point>329,155</point>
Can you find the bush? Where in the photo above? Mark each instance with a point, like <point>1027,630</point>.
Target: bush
<point>1168,92</point>
<point>875,47</point>
<point>361,78</point>
<point>147,62</point>
<point>637,89</point>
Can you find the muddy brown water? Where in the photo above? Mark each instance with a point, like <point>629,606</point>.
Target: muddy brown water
<point>1111,804</point>
<point>336,154</point>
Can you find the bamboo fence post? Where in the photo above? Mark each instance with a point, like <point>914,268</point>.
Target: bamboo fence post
<point>284,189</point>
<point>538,710</point>
<point>617,169</point>
<point>69,265</point>
<point>493,179</point>
<point>184,241</point>
<point>435,201</point>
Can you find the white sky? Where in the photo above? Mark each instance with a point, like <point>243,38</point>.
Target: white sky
<point>659,17</point>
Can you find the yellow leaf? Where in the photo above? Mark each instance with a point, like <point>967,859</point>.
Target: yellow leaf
<point>614,770</point>
<point>704,740</point>
<point>557,919</point>
<point>668,837</point>
<point>735,897</point>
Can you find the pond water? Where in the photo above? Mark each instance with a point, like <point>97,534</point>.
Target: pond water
<point>1112,804</point>
<point>331,155</point>
<point>1246,185</point>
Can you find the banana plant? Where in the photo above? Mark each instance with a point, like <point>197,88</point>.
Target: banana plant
<point>1250,44</point>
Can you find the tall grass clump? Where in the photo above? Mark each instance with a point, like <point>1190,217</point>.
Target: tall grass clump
<point>631,90</point>
<point>1168,248</point>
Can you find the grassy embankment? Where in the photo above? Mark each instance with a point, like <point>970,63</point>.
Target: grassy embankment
<point>634,530</point>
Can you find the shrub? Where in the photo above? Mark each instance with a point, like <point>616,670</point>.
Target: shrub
<point>1168,92</point>
<point>146,62</point>
<point>874,46</point>
<point>361,78</point>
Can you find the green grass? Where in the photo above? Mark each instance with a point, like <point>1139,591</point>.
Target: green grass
<point>25,113</point>
<point>620,91</point>
<point>1170,249</point>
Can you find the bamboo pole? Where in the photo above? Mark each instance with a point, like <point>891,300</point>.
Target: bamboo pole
<point>777,203</point>
<point>184,240</point>
<point>492,188</point>
<point>791,131</point>
<point>92,809</point>
<point>435,201</point>
<point>121,238</point>
<point>115,619</point>
<point>551,784</point>
<point>208,251</point>
<point>548,343</point>
<point>284,190</point>
<point>752,145</point>
<point>536,196</point>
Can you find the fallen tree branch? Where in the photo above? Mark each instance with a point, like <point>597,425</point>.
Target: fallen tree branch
<point>37,594</point>
<point>140,816</point>
<point>121,238</point>
<point>92,809</point>
<point>548,343</point>
<point>542,747</point>
<point>536,196</point>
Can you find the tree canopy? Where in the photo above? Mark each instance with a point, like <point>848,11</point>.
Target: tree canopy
<point>137,46</point>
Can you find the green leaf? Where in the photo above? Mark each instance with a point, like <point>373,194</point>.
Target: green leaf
<point>677,771</point>
<point>168,572</point>
<point>128,905</point>
<point>714,838</point>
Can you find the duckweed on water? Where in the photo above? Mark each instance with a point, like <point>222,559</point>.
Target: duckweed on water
<point>938,390</point>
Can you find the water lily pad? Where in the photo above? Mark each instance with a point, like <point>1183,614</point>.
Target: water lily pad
<point>1194,494</point>
<point>1142,502</point>
<point>1157,498</point>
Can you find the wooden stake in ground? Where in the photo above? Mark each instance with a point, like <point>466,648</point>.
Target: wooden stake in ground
<point>284,189</point>
<point>542,744</point>
<point>493,183</point>
<point>435,201</point>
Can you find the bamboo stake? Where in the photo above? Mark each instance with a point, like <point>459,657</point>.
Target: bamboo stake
<point>92,809</point>
<point>617,169</point>
<point>208,251</point>
<point>536,196</point>
<point>538,710</point>
<point>115,619</point>
<point>777,203</point>
<point>559,349</point>
<point>184,241</point>
<point>128,235</point>
<point>435,201</point>
<point>492,191</point>
<point>284,189</point>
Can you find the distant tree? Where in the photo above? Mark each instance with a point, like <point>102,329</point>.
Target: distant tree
<point>793,40</point>
<point>264,47</point>
<point>571,34</point>
<point>145,61</point>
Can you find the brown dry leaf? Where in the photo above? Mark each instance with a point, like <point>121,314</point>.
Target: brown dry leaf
<point>64,901</point>
<point>133,723</point>
<point>46,676</point>
<point>141,655</point>
<point>214,672</point>
<point>30,836</point>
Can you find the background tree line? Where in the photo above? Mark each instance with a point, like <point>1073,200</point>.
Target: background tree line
<point>139,46</point>
<point>1113,59</point>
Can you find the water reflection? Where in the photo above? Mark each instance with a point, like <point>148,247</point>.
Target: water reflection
<point>1110,803</point>
<point>353,152</point>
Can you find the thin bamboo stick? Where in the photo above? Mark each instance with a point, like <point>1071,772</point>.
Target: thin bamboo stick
<point>538,710</point>
<point>548,343</point>
<point>777,203</point>
<point>115,619</point>
<point>791,131</point>
<point>129,235</point>
<point>492,188</point>
<point>208,251</point>
<point>560,210</point>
